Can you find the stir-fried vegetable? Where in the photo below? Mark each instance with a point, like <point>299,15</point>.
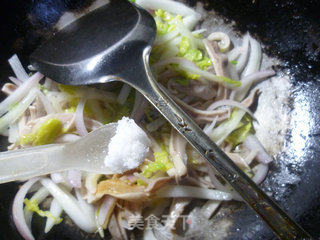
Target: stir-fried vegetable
<point>194,55</point>
<point>207,74</point>
<point>162,163</point>
<point>239,135</point>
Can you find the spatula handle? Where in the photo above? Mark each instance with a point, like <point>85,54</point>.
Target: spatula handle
<point>27,163</point>
<point>282,225</point>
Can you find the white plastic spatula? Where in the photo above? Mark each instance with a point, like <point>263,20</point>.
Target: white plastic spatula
<point>87,154</point>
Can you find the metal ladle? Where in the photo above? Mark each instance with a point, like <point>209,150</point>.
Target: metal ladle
<point>113,43</point>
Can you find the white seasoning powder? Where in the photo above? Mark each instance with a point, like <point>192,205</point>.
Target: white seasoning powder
<point>128,147</point>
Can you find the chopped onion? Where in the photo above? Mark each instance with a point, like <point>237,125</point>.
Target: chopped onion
<point>17,210</point>
<point>193,192</point>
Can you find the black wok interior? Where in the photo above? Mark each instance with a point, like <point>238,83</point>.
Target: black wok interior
<point>290,31</point>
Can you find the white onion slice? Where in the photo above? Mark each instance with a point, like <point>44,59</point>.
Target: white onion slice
<point>16,81</point>
<point>251,156</point>
<point>244,54</point>
<point>17,210</point>
<point>124,93</point>
<point>219,134</point>
<point>48,83</point>
<point>192,192</point>
<point>45,102</point>
<point>17,111</point>
<point>40,195</point>
<point>213,178</point>
<point>80,125</point>
<point>252,143</point>
<point>87,208</point>
<point>209,126</point>
<point>247,82</point>
<point>234,54</point>
<point>56,210</point>
<point>17,68</point>
<point>105,210</point>
<point>228,102</point>
<point>19,93</point>
<point>189,66</point>
<point>71,206</point>
<point>191,21</point>
<point>254,61</point>
<point>209,208</point>
<point>255,77</point>
<point>261,171</point>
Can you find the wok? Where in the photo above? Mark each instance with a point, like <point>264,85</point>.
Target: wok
<point>289,30</point>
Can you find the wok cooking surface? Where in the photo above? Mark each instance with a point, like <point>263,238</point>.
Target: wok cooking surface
<point>289,30</point>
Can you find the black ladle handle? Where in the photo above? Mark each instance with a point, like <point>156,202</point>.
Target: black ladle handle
<point>281,224</point>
